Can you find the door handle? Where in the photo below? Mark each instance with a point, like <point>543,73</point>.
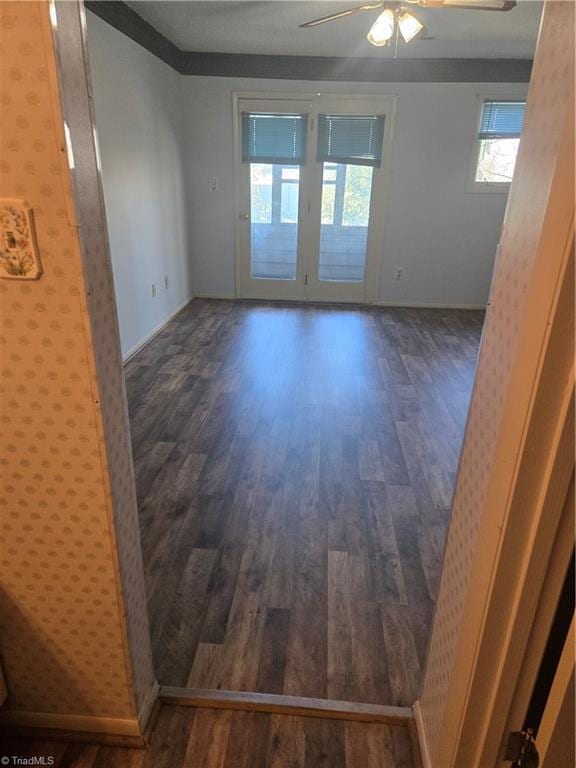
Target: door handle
<point>244,217</point>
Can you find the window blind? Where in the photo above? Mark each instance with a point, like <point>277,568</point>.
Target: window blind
<point>502,119</point>
<point>277,139</point>
<point>352,139</point>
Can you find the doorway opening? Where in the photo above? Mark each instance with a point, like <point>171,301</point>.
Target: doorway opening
<point>295,456</point>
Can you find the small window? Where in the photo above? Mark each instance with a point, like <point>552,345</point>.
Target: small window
<point>498,140</point>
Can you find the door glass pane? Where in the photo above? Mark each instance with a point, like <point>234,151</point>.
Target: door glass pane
<point>346,193</point>
<point>274,193</point>
<point>261,193</point>
<point>289,196</point>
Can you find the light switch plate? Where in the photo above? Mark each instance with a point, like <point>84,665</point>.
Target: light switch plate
<point>19,254</point>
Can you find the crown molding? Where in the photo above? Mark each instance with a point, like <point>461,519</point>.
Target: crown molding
<point>119,15</point>
<point>318,68</point>
<point>357,70</point>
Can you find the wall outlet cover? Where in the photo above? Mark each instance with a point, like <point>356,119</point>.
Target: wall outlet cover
<point>19,253</point>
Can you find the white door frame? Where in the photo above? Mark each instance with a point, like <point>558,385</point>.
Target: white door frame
<point>316,290</point>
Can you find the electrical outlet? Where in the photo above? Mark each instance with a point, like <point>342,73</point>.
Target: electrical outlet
<point>213,183</point>
<point>166,282</point>
<point>153,290</point>
<point>399,273</point>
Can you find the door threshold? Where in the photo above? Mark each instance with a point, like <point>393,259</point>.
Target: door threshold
<point>285,705</point>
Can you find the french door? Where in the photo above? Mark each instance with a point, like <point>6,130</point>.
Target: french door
<point>310,195</point>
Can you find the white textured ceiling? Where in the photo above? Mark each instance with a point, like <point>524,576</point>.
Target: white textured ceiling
<point>272,28</point>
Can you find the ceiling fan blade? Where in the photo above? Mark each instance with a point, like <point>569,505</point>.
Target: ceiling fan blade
<point>341,15</point>
<point>470,5</point>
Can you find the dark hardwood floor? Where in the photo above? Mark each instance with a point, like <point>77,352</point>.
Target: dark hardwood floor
<point>206,738</point>
<point>295,466</point>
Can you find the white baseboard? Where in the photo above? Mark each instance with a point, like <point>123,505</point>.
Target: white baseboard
<point>111,726</point>
<point>391,304</point>
<point>115,731</point>
<point>222,296</point>
<point>148,705</point>
<point>155,331</point>
<point>424,305</point>
<point>421,734</point>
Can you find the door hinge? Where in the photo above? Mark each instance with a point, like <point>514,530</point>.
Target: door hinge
<point>521,749</point>
<point>306,279</point>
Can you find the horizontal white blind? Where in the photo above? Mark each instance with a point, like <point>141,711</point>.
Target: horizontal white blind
<point>351,139</point>
<point>271,138</point>
<point>502,119</point>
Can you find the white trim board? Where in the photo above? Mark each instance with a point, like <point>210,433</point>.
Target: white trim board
<point>111,726</point>
<point>219,296</point>
<point>421,735</point>
<point>302,706</point>
<point>148,706</point>
<point>367,305</point>
<point>155,331</point>
<point>425,305</point>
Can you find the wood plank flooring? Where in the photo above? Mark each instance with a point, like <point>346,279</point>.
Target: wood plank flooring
<point>295,467</point>
<point>205,738</point>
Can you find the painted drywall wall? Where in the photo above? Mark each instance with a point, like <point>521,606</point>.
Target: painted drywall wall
<point>443,236</point>
<point>163,136</point>
<point>140,131</point>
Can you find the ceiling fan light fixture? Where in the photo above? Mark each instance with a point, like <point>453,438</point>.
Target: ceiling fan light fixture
<point>409,26</point>
<point>382,31</point>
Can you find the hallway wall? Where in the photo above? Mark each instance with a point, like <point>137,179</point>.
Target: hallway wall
<point>506,462</point>
<point>140,130</point>
<point>74,637</point>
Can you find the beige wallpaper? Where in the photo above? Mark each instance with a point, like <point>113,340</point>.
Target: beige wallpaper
<point>549,102</point>
<point>73,636</point>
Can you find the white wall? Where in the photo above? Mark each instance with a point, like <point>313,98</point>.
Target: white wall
<point>442,235</point>
<point>162,136</point>
<point>140,129</point>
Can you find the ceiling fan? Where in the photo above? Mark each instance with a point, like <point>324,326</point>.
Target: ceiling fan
<point>395,18</point>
